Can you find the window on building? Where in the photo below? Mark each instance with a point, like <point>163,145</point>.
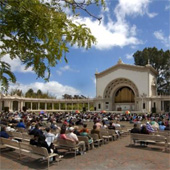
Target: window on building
<point>99,106</point>
<point>143,105</point>
<point>106,105</point>
<point>154,105</point>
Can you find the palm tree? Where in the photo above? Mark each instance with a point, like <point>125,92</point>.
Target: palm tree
<point>6,75</point>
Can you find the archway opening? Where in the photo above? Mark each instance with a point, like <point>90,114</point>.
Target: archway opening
<point>124,99</point>
<point>124,95</point>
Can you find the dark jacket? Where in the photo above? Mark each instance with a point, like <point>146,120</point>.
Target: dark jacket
<point>135,130</point>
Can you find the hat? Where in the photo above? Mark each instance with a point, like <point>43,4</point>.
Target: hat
<point>33,124</point>
<point>71,129</point>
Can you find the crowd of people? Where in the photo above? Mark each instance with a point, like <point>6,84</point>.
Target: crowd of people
<point>48,127</point>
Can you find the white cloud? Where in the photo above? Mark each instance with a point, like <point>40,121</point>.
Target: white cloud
<point>133,8</point>
<point>65,68</point>
<point>111,34</point>
<point>152,15</point>
<point>16,65</point>
<point>167,7</point>
<point>160,36</point>
<point>59,72</point>
<point>119,32</point>
<point>55,88</point>
<point>129,56</point>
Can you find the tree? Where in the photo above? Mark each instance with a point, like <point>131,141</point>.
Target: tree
<point>6,75</point>
<point>18,92</point>
<point>29,93</point>
<point>39,93</point>
<point>67,96</point>
<point>160,60</point>
<point>40,33</point>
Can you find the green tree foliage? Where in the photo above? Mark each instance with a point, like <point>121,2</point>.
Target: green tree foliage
<point>6,75</point>
<point>39,94</point>
<point>160,60</point>
<point>16,91</point>
<point>40,33</point>
<point>68,96</point>
<point>29,93</point>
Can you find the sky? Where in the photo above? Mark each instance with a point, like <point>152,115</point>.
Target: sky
<point>126,27</point>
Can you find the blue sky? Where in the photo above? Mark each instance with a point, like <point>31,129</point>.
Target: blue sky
<point>127,26</point>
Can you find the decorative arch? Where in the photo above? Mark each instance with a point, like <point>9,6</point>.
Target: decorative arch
<point>116,84</point>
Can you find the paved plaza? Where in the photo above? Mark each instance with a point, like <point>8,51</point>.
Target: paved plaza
<point>114,155</point>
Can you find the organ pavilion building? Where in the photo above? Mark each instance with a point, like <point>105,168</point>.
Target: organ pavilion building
<point>119,88</point>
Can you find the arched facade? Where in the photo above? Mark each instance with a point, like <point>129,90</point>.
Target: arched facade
<point>122,93</point>
<point>128,87</point>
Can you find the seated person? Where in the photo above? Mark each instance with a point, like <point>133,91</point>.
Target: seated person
<point>135,129</point>
<point>3,133</point>
<point>74,138</point>
<point>98,124</point>
<point>144,130</point>
<point>84,133</point>
<point>34,140</point>
<point>50,137</point>
<point>149,127</point>
<point>63,135</point>
<point>111,126</point>
<point>95,130</point>
<point>167,127</point>
<point>84,129</point>
<point>162,126</point>
<point>36,130</point>
<point>21,124</point>
<point>76,131</point>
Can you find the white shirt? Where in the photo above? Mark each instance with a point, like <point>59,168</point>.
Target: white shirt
<point>50,137</point>
<point>72,136</point>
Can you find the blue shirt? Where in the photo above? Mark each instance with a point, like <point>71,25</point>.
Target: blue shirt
<point>3,134</point>
<point>162,127</point>
<point>21,125</point>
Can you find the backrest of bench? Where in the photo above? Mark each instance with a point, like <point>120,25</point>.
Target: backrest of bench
<point>66,143</point>
<point>147,137</point>
<point>10,142</point>
<point>39,150</point>
<point>94,136</point>
<point>163,133</point>
<point>83,138</point>
<point>25,146</point>
<point>16,134</point>
<point>26,136</point>
<point>111,131</point>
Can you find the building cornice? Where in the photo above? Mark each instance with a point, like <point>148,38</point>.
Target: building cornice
<point>147,68</point>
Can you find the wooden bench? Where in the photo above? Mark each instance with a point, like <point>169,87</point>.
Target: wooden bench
<point>29,149</point>
<point>97,141</point>
<point>163,133</point>
<point>123,132</point>
<point>86,140</point>
<point>150,139</point>
<point>67,145</point>
<point>10,144</point>
<point>113,134</point>
<point>21,136</point>
<point>16,135</point>
<point>106,136</point>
